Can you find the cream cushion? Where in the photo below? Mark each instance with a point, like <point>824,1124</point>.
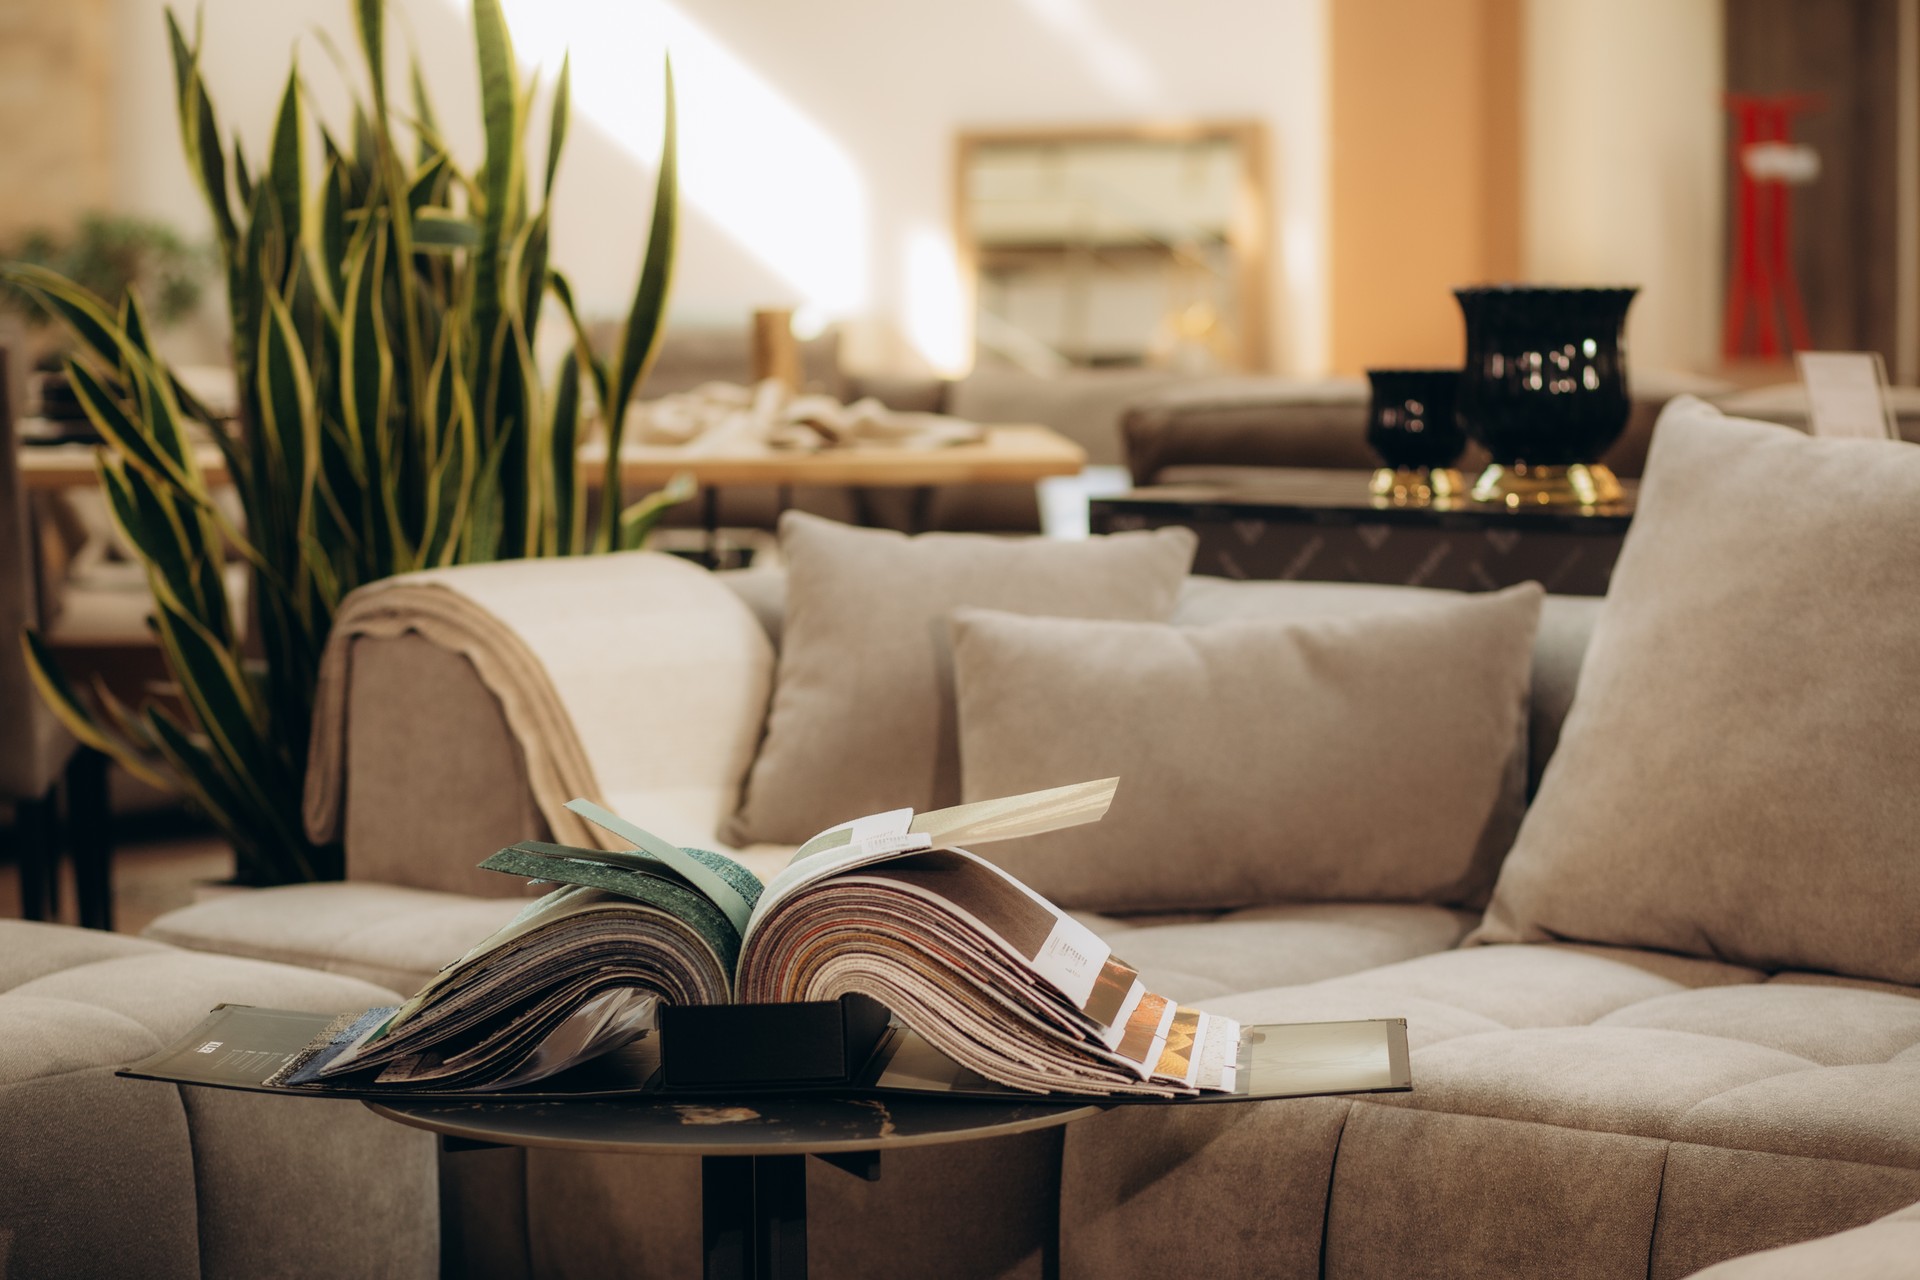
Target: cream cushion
<point>862,713</point>
<point>1371,758</point>
<point>1736,777</point>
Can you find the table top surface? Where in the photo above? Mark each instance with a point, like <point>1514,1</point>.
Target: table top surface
<point>1011,454</point>
<point>790,1124</point>
<point>1310,493</point>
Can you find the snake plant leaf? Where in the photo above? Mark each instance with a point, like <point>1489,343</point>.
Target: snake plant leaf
<point>242,174</point>
<point>444,230</point>
<point>369,23</point>
<point>284,168</point>
<point>319,565</point>
<point>638,520</point>
<point>286,423</point>
<point>334,237</point>
<point>640,339</point>
<point>557,126</point>
<point>425,124</point>
<point>527,270</point>
<point>134,325</point>
<point>596,368</point>
<point>221,699</point>
<point>430,184</point>
<point>78,308</point>
<point>391,411</point>
<point>54,689</point>
<point>192,770</point>
<point>181,571</point>
<point>563,451</point>
<point>500,119</point>
<point>199,131</point>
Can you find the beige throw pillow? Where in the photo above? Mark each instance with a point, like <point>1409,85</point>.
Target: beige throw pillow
<point>1367,758</point>
<point>862,714</point>
<point>1739,776</point>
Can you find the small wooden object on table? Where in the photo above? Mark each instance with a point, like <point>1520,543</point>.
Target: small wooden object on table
<point>1325,526</point>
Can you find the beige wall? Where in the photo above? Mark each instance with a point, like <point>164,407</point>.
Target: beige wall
<point>1415,144</point>
<point>1553,141</point>
<point>817,137</point>
<point>1625,164</point>
<point>1425,171</point>
<point>55,100</point>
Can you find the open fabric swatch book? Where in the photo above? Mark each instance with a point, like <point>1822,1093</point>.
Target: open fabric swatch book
<point>668,970</point>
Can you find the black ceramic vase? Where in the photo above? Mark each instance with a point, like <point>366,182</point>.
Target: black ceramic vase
<point>1412,426</point>
<point>1544,390</point>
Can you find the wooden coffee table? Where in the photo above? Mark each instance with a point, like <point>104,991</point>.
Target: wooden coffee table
<point>753,1150</point>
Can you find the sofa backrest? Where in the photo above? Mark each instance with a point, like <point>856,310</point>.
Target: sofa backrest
<point>1566,623</point>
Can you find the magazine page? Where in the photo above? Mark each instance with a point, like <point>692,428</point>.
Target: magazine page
<point>899,832</point>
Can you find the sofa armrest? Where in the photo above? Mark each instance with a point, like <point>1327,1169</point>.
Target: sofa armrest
<point>435,779</point>
<point>663,673</point>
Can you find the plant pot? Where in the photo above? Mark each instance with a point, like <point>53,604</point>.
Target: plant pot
<point>1544,390</point>
<point>1412,426</point>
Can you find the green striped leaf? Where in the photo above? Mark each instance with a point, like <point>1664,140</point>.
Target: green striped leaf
<point>640,338</point>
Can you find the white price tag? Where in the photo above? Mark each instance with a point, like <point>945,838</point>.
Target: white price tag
<point>1847,395</point>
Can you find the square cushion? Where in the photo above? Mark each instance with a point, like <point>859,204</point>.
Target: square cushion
<point>862,714</point>
<point>1378,757</point>
<point>1736,778</point>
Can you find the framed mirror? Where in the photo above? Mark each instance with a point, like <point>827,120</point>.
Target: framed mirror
<point>1120,247</point>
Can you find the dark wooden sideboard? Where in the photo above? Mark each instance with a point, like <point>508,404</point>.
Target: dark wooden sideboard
<point>1324,526</point>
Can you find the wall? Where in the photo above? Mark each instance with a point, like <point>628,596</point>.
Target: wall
<point>816,138</point>
<point>55,78</point>
<point>1425,171</point>
<point>1625,163</point>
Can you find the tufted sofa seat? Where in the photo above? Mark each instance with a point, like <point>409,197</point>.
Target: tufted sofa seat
<point>102,1176</point>
<point>1578,1111</point>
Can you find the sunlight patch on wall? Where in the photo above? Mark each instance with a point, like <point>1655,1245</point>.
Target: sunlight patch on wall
<point>750,161</point>
<point>937,303</point>
<point>1119,67</point>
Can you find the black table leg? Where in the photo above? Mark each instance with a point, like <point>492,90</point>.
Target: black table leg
<point>36,832</point>
<point>780,1216</point>
<point>90,831</point>
<point>710,522</point>
<point>920,508</point>
<point>753,1212</point>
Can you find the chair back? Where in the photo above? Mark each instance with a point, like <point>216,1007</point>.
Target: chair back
<point>33,746</point>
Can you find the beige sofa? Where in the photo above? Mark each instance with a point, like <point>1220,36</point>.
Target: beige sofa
<point>1721,752</point>
<point>1577,1110</point>
<point>101,1176</point>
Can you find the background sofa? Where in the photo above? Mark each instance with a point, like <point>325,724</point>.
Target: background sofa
<point>1539,1138</point>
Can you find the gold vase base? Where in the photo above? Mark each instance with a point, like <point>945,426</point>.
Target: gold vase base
<point>1415,486</point>
<point>1584,484</point>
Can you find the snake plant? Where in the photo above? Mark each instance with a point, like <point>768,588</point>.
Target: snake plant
<point>391,414</point>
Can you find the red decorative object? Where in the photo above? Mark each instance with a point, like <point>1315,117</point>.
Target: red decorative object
<point>1761,283</point>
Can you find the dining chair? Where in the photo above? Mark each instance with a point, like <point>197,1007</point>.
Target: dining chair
<point>36,753</point>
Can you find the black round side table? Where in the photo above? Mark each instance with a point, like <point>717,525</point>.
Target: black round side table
<point>753,1150</point>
